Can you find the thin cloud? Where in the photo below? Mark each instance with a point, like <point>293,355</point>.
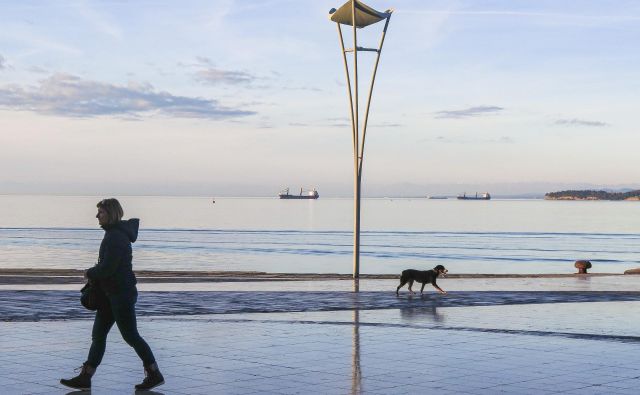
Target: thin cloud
<point>301,88</point>
<point>71,96</point>
<point>204,60</point>
<point>581,122</point>
<point>463,140</point>
<point>215,76</point>
<point>549,15</point>
<point>506,140</point>
<point>386,125</point>
<point>209,74</point>
<point>3,63</point>
<point>38,70</point>
<point>100,21</point>
<point>468,112</point>
<point>339,122</point>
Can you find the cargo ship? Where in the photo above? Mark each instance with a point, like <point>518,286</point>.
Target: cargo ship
<point>482,196</point>
<point>303,194</point>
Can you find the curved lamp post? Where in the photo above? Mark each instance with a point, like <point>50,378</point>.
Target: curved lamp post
<point>358,15</point>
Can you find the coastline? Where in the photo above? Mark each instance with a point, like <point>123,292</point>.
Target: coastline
<point>17,276</point>
<point>594,199</point>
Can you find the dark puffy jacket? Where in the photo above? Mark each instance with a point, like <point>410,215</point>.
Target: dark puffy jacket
<point>114,271</point>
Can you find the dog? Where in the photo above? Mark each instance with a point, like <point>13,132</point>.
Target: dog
<point>422,276</point>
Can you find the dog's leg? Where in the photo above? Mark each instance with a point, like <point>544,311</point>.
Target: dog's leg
<point>411,285</point>
<point>442,291</point>
<point>402,283</point>
<point>422,288</point>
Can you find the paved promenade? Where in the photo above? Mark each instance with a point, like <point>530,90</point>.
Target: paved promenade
<point>567,337</point>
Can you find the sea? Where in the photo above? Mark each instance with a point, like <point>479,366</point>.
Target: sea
<point>501,236</point>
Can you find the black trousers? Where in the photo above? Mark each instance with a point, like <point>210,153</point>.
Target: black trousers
<point>121,311</point>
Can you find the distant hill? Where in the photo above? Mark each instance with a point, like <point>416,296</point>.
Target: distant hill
<point>593,195</point>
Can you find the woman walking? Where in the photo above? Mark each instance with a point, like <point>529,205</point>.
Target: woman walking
<point>114,275</point>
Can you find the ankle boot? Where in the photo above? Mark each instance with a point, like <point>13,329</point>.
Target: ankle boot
<point>82,381</point>
<point>153,378</point>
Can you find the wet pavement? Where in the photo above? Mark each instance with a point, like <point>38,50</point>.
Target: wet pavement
<point>572,283</point>
<point>329,340</point>
<point>40,305</point>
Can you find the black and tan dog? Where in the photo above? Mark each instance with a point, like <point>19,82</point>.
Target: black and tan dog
<point>422,276</point>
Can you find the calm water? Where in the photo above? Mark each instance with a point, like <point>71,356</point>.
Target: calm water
<point>177,233</point>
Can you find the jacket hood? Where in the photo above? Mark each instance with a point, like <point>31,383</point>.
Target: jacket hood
<point>128,226</point>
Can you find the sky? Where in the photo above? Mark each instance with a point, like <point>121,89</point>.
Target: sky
<point>245,98</point>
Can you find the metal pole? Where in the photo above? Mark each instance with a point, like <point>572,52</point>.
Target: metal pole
<point>356,370</point>
<point>356,165</point>
<point>373,79</point>
<point>358,140</point>
<point>357,158</point>
<point>354,132</point>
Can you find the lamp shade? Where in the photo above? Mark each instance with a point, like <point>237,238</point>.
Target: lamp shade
<point>365,15</point>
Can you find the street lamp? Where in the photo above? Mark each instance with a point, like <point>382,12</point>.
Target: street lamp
<point>358,15</point>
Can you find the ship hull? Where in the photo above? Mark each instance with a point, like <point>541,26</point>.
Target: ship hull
<point>482,196</point>
<point>473,198</point>
<point>313,194</point>
<point>298,197</point>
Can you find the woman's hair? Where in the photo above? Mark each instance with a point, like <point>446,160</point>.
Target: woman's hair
<point>113,209</point>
